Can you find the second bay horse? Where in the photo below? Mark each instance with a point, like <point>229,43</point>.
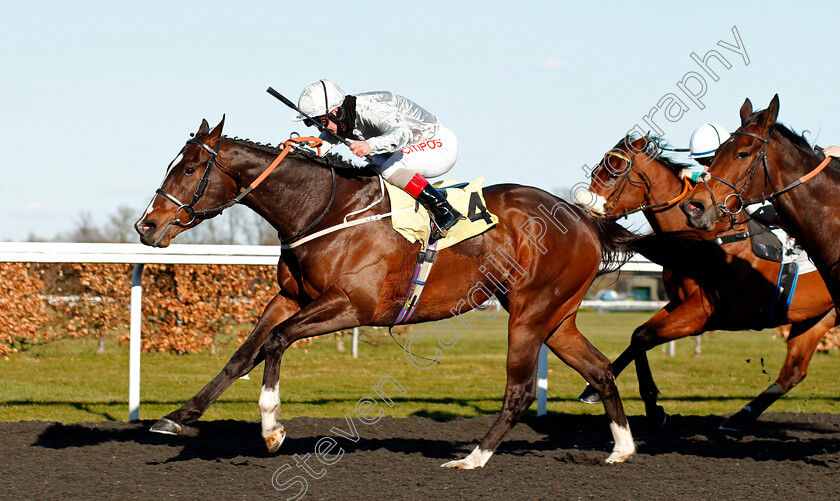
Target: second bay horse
<point>636,176</point>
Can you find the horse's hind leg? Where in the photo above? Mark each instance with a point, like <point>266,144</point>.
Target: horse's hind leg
<point>802,342</point>
<point>246,357</point>
<point>575,350</point>
<point>523,351</point>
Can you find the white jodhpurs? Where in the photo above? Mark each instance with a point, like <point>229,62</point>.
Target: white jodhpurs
<point>431,158</point>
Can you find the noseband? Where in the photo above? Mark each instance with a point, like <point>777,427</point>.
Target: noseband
<point>760,159</point>
<point>189,208</point>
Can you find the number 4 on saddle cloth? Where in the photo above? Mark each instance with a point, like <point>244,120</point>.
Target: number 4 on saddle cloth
<point>415,226</point>
<point>467,199</point>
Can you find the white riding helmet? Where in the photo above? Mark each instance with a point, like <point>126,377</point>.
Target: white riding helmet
<point>319,98</point>
<point>706,139</point>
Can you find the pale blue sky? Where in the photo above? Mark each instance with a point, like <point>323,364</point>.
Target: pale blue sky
<point>96,98</point>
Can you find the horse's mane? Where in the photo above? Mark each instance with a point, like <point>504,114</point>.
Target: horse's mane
<point>342,166</point>
<point>797,140</point>
<point>656,147</point>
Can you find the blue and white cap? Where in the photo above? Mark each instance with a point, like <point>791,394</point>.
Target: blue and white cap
<point>706,139</point>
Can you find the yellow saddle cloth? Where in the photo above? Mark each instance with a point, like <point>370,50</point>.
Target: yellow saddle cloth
<point>414,225</point>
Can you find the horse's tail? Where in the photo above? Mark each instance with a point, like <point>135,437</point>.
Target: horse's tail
<point>618,244</point>
<point>684,252</point>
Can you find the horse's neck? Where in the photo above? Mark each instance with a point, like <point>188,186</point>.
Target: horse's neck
<point>665,186</point>
<point>808,210</point>
<point>298,191</point>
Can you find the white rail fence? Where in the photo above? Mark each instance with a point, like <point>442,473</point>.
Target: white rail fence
<point>140,255</point>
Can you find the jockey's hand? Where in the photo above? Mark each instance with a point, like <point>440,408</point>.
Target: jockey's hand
<point>832,151</point>
<point>360,148</point>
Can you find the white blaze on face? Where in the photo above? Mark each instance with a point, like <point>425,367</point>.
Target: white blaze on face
<point>174,163</point>
<point>590,200</point>
<point>148,209</point>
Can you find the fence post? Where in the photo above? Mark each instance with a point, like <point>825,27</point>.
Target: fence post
<point>355,342</point>
<point>542,381</point>
<point>134,343</point>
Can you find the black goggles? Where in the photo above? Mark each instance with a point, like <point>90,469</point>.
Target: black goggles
<point>323,120</point>
<point>320,121</point>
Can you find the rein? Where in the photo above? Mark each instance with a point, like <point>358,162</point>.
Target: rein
<point>760,158</point>
<point>189,208</point>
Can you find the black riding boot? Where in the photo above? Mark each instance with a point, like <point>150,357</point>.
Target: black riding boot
<point>443,214</point>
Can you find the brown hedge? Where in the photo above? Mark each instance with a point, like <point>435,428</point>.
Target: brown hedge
<point>184,306</point>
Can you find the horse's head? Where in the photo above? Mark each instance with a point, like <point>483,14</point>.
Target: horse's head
<point>734,173</point>
<point>193,190</point>
<point>616,184</point>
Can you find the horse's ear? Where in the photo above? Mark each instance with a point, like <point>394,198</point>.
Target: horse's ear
<point>641,143</point>
<point>746,111</point>
<point>772,112</point>
<point>216,133</point>
<point>204,128</point>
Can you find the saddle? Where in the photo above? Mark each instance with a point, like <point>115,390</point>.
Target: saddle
<point>765,243</point>
<point>413,222</point>
<point>466,198</point>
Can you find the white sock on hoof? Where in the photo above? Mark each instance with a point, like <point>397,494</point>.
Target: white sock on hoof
<point>477,459</point>
<point>624,448</point>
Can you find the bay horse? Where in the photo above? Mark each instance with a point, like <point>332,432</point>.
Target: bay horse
<point>538,261</point>
<point>763,159</point>
<point>636,176</point>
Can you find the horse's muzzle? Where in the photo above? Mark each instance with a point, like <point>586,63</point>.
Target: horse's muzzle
<point>698,215</point>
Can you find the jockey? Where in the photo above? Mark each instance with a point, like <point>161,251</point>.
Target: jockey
<point>409,144</point>
<point>832,151</point>
<point>702,146</point>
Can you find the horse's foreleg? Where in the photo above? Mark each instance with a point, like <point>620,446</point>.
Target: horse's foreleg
<point>802,343</point>
<point>331,311</point>
<point>589,394</point>
<point>688,319</point>
<point>577,352</point>
<point>523,352</point>
<point>246,357</point>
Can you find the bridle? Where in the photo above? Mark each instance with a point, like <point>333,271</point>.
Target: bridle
<point>189,208</point>
<point>760,159</point>
<point>644,183</point>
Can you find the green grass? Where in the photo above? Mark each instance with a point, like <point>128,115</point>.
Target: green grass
<point>66,381</point>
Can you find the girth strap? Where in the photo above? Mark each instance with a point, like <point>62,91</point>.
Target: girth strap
<point>425,260</point>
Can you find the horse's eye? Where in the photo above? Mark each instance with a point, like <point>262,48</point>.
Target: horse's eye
<point>189,171</point>
<point>743,155</point>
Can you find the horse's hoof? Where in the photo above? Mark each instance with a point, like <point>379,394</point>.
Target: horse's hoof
<point>657,418</point>
<point>738,421</point>
<point>590,396</point>
<point>477,459</point>
<point>166,426</point>
<point>618,457</point>
<point>274,440</point>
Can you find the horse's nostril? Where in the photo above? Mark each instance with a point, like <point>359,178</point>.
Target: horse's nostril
<point>145,227</point>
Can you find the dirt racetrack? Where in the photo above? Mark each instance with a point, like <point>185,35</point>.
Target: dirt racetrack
<point>785,456</point>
